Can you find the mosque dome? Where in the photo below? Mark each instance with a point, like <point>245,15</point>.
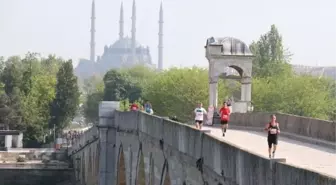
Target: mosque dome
<point>124,43</point>
<point>122,53</point>
<point>230,46</point>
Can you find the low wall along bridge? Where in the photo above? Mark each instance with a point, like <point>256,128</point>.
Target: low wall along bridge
<point>137,148</point>
<point>128,148</point>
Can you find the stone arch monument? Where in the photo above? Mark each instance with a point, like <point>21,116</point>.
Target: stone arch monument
<point>229,52</point>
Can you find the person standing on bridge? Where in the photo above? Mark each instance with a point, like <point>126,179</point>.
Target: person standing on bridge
<point>134,107</point>
<point>272,139</point>
<point>224,113</point>
<point>199,115</point>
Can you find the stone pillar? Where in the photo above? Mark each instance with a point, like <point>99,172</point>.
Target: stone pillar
<point>103,156</point>
<point>246,89</point>
<point>107,141</point>
<point>242,92</point>
<point>8,141</point>
<point>213,94</point>
<point>19,143</point>
<point>248,92</point>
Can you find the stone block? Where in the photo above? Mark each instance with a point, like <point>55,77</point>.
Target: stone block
<point>151,125</point>
<point>107,108</point>
<point>127,121</point>
<point>194,139</point>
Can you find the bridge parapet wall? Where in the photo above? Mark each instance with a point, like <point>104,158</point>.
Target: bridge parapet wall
<point>86,138</point>
<point>134,142</point>
<point>194,157</point>
<point>298,125</point>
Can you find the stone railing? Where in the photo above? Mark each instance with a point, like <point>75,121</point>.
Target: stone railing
<point>86,138</point>
<point>215,159</point>
<point>297,125</point>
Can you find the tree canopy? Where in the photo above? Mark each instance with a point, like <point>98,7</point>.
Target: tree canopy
<point>65,104</point>
<point>27,91</point>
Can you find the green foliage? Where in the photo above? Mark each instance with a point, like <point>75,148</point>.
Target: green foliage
<point>93,93</point>
<point>276,88</point>
<point>92,85</point>
<point>66,101</point>
<point>271,59</point>
<point>299,95</point>
<point>119,86</point>
<point>27,88</point>
<point>91,106</point>
<point>12,74</point>
<point>176,92</point>
<point>140,75</point>
<point>124,105</point>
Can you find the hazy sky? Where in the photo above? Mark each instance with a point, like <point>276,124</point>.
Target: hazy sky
<point>62,27</point>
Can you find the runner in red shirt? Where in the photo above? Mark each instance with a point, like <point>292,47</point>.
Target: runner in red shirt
<point>225,117</point>
<point>134,107</point>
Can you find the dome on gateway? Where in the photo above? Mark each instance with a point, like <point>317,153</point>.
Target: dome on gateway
<point>230,46</point>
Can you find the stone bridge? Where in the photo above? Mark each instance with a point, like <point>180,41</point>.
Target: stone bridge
<point>129,148</point>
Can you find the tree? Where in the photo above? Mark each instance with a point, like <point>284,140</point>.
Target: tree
<point>91,84</point>
<point>300,95</point>
<point>175,92</point>
<point>29,84</point>
<point>12,74</point>
<point>95,90</point>
<point>91,107</point>
<point>140,75</point>
<point>8,115</point>
<point>270,56</point>
<point>66,101</point>
<point>119,86</point>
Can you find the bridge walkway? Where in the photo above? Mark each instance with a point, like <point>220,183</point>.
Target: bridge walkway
<point>300,154</point>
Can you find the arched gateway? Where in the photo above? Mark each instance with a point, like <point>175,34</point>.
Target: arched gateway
<point>229,52</point>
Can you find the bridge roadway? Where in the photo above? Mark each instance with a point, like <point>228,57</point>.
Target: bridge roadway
<point>304,155</point>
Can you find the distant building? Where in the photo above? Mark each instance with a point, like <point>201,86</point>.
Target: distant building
<point>125,52</point>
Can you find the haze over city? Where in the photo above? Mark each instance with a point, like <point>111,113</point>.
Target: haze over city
<point>63,27</point>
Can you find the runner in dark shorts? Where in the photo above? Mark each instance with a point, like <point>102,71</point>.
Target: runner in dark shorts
<point>199,121</point>
<point>223,122</point>
<point>199,112</point>
<point>272,138</point>
<point>225,117</point>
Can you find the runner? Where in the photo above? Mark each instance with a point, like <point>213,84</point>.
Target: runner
<point>199,115</point>
<point>225,117</point>
<point>272,139</point>
<point>134,107</point>
<point>148,107</point>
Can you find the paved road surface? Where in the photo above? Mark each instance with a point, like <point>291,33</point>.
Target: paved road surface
<point>312,157</point>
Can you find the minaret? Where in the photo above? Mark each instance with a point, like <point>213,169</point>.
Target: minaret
<point>93,30</point>
<point>121,22</point>
<point>160,46</point>
<point>133,32</point>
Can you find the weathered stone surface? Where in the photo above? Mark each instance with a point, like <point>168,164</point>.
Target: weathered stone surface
<point>174,153</point>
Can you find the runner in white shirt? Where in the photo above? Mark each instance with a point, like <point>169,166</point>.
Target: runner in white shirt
<point>199,115</point>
